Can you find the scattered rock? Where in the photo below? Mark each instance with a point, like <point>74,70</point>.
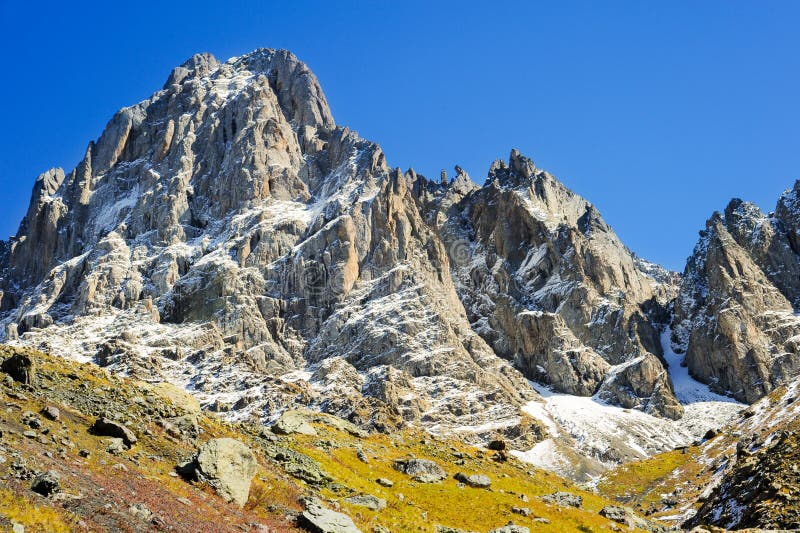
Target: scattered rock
<point>227,465</point>
<point>47,483</point>
<point>421,470</point>
<point>626,516</point>
<point>141,511</point>
<point>318,519</point>
<point>524,511</point>
<point>564,499</point>
<point>445,529</point>
<point>106,427</point>
<point>511,528</point>
<point>367,500</point>
<point>384,482</point>
<point>293,422</point>
<point>20,367</point>
<point>31,420</point>
<point>16,527</point>
<point>479,481</point>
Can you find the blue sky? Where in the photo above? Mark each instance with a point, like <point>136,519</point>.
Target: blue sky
<point>657,112</point>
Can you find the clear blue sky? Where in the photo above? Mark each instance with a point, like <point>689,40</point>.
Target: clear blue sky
<point>658,112</point>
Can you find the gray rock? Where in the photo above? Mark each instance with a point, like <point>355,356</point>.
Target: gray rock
<point>511,528</point>
<point>293,422</point>
<point>367,500</point>
<point>474,480</point>
<point>524,511</point>
<point>564,499</point>
<point>318,519</point>
<point>384,482</point>
<point>47,483</point>
<point>227,465</point>
<point>421,470</point>
<point>115,446</point>
<point>106,427</point>
<point>446,529</point>
<point>51,412</point>
<point>140,511</point>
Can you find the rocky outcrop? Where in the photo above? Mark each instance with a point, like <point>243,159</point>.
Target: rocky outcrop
<point>734,316</point>
<point>547,283</point>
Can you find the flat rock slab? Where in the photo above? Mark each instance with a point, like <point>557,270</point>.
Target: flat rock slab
<point>318,519</point>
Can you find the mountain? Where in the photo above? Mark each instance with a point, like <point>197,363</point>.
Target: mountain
<point>227,236</point>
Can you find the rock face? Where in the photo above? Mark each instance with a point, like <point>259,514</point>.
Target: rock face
<point>227,465</point>
<point>227,231</point>
<point>734,316</point>
<point>547,283</point>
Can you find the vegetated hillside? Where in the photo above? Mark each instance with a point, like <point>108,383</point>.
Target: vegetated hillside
<point>104,485</point>
<point>743,476</point>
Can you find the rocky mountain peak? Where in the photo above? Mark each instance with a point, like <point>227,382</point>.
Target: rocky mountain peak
<point>226,235</point>
<point>197,66</point>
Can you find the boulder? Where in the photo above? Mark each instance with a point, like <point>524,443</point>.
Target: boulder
<point>227,465</point>
<point>318,519</point>
<point>367,500</point>
<point>51,413</point>
<point>293,422</point>
<point>47,483</point>
<point>564,499</point>
<point>20,367</point>
<point>479,481</point>
<point>105,427</point>
<point>421,470</point>
<point>511,528</point>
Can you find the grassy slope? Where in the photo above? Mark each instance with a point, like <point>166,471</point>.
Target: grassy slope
<point>98,491</point>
